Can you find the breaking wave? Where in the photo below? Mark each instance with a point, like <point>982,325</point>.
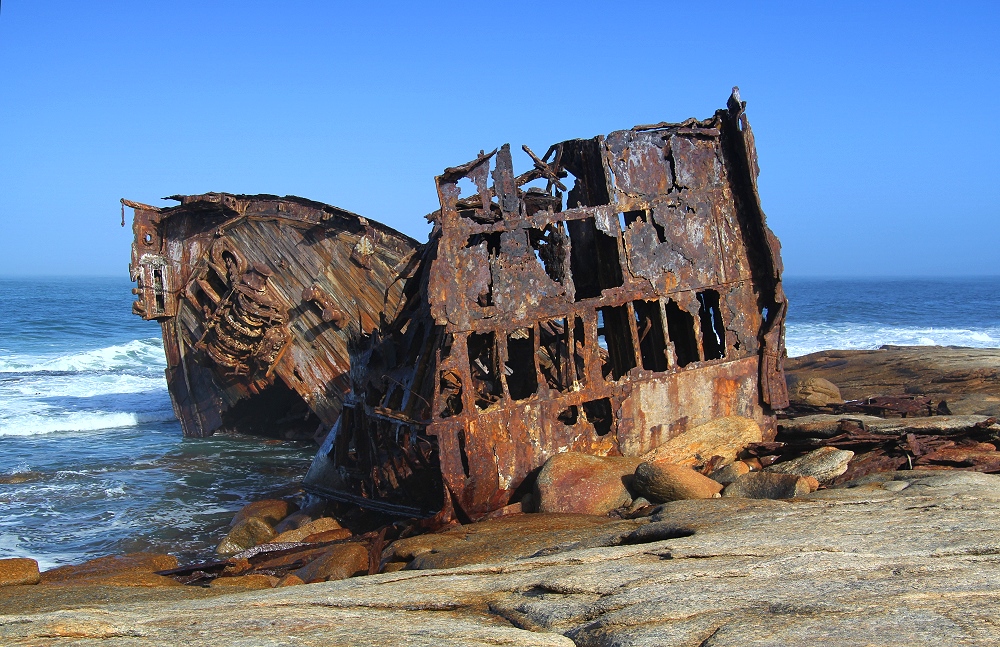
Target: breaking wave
<point>136,354</point>
<point>35,424</point>
<point>805,338</point>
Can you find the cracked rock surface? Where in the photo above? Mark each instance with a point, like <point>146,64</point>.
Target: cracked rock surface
<point>907,558</point>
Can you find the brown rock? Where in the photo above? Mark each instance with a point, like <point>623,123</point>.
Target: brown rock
<point>662,481</point>
<point>582,484</point>
<point>255,581</point>
<point>729,473</point>
<point>813,483</point>
<point>121,567</point>
<point>337,563</point>
<point>19,570</point>
<point>309,528</point>
<point>289,580</point>
<point>328,535</point>
<point>136,579</point>
<point>303,516</point>
<point>823,464</point>
<point>270,511</point>
<point>724,437</point>
<point>21,477</point>
<point>813,391</point>
<point>246,534</point>
<point>768,485</point>
<point>236,566</point>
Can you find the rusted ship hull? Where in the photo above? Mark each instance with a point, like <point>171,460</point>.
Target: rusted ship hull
<point>603,314</point>
<point>258,298</point>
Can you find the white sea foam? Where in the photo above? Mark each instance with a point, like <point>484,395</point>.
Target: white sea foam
<point>802,339</point>
<point>31,425</point>
<point>138,353</point>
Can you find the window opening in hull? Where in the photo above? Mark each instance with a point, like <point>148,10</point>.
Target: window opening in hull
<point>599,414</point>
<point>594,260</point>
<point>615,336</point>
<point>449,383</point>
<point>549,245</point>
<point>553,354</point>
<point>483,366</point>
<point>713,332</point>
<point>522,380</point>
<point>652,343</point>
<point>680,328</point>
<point>463,453</point>
<point>569,415</point>
<point>579,342</point>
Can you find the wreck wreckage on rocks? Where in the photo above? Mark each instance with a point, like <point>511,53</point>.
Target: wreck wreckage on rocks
<point>622,290</point>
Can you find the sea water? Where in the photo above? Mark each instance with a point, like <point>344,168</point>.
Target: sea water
<point>92,461</point>
<point>88,430</point>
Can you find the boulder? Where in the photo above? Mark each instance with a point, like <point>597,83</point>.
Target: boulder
<point>823,464</point>
<point>813,391</point>
<point>247,534</point>
<point>322,524</point>
<point>583,484</point>
<point>19,570</point>
<point>109,565</point>
<point>661,481</point>
<point>724,437</point>
<point>327,535</point>
<point>270,511</point>
<point>133,569</point>
<point>289,580</point>
<point>337,563</point>
<point>729,473</point>
<point>21,477</point>
<point>767,485</point>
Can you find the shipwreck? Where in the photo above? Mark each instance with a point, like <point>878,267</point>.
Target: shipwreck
<point>254,295</point>
<point>616,293</point>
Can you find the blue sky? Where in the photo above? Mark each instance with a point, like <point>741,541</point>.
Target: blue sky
<point>875,121</point>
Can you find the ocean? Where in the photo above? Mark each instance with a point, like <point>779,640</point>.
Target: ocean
<point>92,461</point>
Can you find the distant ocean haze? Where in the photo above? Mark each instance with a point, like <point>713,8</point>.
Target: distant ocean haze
<point>86,419</point>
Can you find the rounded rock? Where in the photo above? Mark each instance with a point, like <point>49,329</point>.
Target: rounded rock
<point>823,464</point>
<point>270,511</point>
<point>724,437</point>
<point>768,485</point>
<point>135,567</point>
<point>18,571</point>
<point>323,524</point>
<point>729,473</point>
<point>813,391</point>
<point>246,534</point>
<point>338,563</point>
<point>579,483</point>
<point>661,482</point>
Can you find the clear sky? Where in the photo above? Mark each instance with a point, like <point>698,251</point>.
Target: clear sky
<point>875,122</point>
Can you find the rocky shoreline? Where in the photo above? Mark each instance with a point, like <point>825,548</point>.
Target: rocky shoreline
<point>855,525</point>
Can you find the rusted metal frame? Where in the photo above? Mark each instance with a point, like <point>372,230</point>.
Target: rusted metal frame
<point>738,137</point>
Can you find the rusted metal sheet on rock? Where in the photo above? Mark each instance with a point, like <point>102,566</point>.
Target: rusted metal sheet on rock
<point>257,297</point>
<point>619,291</point>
